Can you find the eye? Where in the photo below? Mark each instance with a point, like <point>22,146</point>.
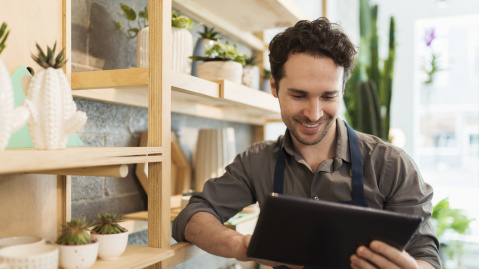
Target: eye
<point>298,97</point>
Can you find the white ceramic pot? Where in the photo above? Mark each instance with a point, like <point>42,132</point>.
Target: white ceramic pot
<point>251,76</point>
<point>181,49</point>
<point>78,256</point>
<point>111,245</point>
<point>53,113</point>
<point>221,70</point>
<point>201,45</point>
<point>21,240</point>
<point>30,256</point>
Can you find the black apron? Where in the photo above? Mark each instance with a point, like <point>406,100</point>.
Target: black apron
<point>357,176</point>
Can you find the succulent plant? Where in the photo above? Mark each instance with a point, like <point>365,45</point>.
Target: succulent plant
<point>107,223</point>
<point>250,61</point>
<point>180,21</point>
<point>222,52</point>
<point>3,36</point>
<point>209,33</point>
<point>49,59</point>
<point>75,232</point>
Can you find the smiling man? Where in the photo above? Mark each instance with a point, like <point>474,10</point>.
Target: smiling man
<point>310,65</point>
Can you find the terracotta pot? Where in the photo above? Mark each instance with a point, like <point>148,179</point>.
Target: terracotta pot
<point>111,245</point>
<point>221,70</point>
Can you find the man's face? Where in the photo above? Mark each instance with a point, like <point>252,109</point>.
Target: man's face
<point>310,94</point>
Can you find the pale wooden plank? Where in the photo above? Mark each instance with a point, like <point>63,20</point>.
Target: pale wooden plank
<point>29,160</point>
<point>109,78</point>
<point>159,123</point>
<point>183,251</point>
<point>137,97</point>
<point>120,170</point>
<point>243,95</point>
<point>63,201</point>
<point>135,257</point>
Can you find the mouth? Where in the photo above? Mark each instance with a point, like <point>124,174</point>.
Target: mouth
<point>310,125</point>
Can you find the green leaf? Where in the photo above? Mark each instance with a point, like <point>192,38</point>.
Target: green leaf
<point>128,12</point>
<point>119,25</point>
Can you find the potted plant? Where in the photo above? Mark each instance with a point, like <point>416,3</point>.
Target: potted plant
<point>181,38</point>
<point>266,86</point>
<point>53,113</point>
<point>208,39</point>
<point>77,249</point>
<point>11,118</point>
<point>251,73</point>
<point>112,237</point>
<point>455,223</point>
<point>222,61</point>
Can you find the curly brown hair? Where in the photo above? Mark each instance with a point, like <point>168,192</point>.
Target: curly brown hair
<point>318,38</point>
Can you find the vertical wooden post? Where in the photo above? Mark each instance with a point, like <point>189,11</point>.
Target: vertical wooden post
<point>325,8</point>
<point>159,125</point>
<point>67,36</point>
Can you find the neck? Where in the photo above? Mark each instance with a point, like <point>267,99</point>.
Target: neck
<point>315,154</point>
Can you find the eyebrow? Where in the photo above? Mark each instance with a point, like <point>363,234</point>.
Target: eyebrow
<point>297,91</point>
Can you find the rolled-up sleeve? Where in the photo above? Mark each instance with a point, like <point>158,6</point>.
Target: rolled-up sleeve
<point>406,192</point>
<point>222,197</point>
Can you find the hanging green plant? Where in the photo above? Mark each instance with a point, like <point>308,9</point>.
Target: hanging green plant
<point>131,16</point>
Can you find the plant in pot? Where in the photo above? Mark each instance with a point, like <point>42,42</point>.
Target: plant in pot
<point>181,38</point>
<point>53,113</point>
<point>208,39</point>
<point>222,61</point>
<point>112,237</point>
<point>251,73</point>
<point>11,118</point>
<point>455,224</point>
<point>266,86</point>
<point>77,249</point>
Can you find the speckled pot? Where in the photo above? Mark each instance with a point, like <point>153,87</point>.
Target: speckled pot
<point>221,70</point>
<point>78,256</point>
<point>111,245</point>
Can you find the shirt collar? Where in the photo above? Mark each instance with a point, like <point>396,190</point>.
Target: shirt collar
<point>342,147</point>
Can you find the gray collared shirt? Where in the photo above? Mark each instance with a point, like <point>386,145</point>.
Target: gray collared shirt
<point>391,182</point>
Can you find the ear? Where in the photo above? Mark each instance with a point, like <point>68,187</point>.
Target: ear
<point>273,87</point>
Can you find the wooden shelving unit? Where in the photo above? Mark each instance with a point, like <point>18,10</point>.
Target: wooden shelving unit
<point>162,92</point>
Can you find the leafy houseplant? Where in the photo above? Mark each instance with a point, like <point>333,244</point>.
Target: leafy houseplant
<point>266,86</point>
<point>251,73</point>
<point>11,118</point>
<point>368,93</point>
<point>112,237</point>
<point>447,219</point>
<point>53,113</point>
<point>77,250</point>
<point>221,61</point>
<point>208,39</point>
<point>181,38</point>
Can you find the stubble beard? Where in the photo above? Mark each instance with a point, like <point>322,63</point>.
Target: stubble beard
<point>295,133</point>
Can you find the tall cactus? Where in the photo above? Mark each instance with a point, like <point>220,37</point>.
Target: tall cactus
<point>368,92</point>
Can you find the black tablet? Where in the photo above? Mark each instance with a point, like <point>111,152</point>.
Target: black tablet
<point>323,234</point>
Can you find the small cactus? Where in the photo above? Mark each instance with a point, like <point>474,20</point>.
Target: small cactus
<point>209,33</point>
<point>107,223</point>
<point>75,232</point>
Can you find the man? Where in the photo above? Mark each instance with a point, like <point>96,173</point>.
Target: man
<point>310,64</point>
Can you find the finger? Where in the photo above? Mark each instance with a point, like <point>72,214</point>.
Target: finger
<point>361,263</point>
<point>400,258</point>
<point>374,258</point>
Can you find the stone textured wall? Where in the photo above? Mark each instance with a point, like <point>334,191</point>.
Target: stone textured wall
<point>98,45</point>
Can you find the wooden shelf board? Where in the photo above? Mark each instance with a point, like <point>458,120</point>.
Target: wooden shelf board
<point>184,251</point>
<point>136,257</point>
<point>240,19</point>
<point>30,160</point>
<point>221,100</point>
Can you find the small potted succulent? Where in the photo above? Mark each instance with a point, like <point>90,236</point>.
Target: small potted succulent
<point>11,118</point>
<point>208,39</point>
<point>53,113</point>
<point>181,38</point>
<point>222,61</point>
<point>112,237</point>
<point>77,249</point>
<point>251,73</point>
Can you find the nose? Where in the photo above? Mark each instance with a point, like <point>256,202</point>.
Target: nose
<point>314,111</point>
